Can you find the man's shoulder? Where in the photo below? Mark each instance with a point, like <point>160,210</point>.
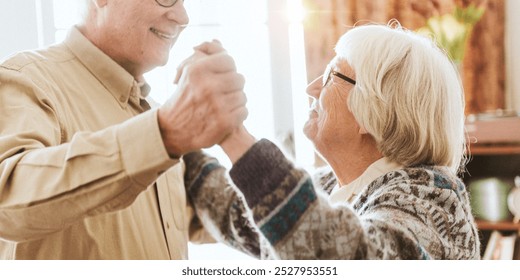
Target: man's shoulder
<point>37,58</point>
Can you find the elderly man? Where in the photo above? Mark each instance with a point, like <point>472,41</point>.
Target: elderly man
<point>87,169</point>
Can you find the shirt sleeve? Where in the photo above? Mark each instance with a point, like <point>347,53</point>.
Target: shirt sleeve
<point>46,184</point>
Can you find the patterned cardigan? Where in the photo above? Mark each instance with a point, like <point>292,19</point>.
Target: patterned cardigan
<point>419,212</point>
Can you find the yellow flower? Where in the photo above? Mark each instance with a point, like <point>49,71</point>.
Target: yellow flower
<point>451,31</point>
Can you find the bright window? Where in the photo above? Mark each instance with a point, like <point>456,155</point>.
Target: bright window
<point>241,27</point>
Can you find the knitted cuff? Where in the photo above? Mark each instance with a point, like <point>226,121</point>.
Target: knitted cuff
<point>261,170</point>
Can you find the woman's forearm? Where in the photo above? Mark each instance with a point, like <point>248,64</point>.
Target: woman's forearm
<point>237,144</point>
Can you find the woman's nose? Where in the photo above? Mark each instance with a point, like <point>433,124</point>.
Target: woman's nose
<point>315,87</point>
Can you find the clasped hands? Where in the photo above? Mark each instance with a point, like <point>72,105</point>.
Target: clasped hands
<point>208,105</point>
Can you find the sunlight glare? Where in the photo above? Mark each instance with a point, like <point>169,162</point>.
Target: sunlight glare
<point>295,11</point>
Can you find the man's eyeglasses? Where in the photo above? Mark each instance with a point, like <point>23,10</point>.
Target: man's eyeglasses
<point>166,3</point>
<point>337,74</point>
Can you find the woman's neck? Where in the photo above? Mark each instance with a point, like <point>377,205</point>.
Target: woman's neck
<point>350,163</point>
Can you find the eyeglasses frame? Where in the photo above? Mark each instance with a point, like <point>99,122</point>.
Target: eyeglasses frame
<point>339,75</point>
<point>167,6</point>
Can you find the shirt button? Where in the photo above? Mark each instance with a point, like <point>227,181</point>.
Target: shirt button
<point>167,225</point>
<point>122,99</point>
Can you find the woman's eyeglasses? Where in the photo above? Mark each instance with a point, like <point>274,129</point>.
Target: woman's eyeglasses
<point>337,74</point>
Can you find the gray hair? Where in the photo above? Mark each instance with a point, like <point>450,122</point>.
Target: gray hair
<point>408,95</point>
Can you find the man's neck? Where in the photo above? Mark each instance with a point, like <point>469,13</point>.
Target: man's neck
<point>91,32</point>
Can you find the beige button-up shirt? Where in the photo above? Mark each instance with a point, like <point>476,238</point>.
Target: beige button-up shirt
<point>83,170</point>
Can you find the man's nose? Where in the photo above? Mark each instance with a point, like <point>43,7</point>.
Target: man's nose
<point>178,13</point>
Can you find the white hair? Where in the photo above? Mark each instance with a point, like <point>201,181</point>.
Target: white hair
<point>408,95</point>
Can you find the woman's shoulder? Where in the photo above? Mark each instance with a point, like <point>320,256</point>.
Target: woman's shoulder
<point>416,189</point>
<point>420,180</point>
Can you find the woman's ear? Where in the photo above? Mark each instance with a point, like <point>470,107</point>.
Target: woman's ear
<point>362,129</point>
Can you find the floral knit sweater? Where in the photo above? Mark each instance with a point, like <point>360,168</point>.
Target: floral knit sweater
<point>415,213</point>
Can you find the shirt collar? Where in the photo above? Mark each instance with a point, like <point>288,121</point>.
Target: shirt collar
<point>351,190</point>
<point>115,78</point>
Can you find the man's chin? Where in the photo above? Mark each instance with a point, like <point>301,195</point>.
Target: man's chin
<point>160,62</point>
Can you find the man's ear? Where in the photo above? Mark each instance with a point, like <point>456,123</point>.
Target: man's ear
<point>100,3</point>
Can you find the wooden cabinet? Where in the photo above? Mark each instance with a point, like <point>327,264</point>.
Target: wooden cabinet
<point>503,226</point>
<point>494,149</point>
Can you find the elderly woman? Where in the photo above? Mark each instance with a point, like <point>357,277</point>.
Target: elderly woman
<point>388,117</point>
